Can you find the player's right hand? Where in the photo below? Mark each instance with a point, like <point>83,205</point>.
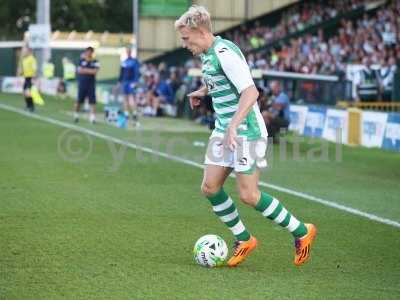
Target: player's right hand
<point>195,98</point>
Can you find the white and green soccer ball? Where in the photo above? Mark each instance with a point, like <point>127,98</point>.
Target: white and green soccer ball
<point>210,251</point>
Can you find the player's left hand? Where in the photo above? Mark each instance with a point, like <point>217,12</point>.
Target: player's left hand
<point>230,138</point>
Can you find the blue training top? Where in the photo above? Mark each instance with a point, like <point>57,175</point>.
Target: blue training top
<point>130,70</point>
<point>283,99</point>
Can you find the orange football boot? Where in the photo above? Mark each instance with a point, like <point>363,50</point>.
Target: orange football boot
<point>303,245</point>
<point>242,249</point>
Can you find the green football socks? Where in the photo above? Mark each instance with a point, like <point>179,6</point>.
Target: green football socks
<point>225,209</point>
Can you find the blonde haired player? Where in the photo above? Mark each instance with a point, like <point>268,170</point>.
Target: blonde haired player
<point>238,142</point>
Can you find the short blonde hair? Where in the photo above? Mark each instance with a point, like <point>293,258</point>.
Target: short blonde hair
<point>196,16</point>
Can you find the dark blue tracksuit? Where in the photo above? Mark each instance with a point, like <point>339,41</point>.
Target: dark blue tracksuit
<point>86,82</point>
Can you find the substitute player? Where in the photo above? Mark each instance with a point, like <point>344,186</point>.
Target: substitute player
<point>87,70</point>
<point>238,142</point>
<point>128,78</point>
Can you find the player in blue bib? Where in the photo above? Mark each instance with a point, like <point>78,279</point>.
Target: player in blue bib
<point>128,77</point>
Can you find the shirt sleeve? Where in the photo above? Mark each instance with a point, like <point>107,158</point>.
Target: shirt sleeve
<point>80,64</point>
<point>235,67</point>
<point>96,64</point>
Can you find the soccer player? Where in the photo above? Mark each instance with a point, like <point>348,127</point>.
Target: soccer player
<point>29,69</point>
<point>128,78</point>
<point>238,142</point>
<point>87,70</point>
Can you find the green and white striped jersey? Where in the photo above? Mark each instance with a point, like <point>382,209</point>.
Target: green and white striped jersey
<point>226,74</point>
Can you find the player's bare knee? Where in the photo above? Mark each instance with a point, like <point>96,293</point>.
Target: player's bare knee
<point>249,197</point>
<point>209,189</point>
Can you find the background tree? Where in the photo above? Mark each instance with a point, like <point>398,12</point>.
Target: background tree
<point>67,15</point>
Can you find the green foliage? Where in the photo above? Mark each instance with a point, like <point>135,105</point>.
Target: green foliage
<point>96,15</point>
<point>67,15</point>
<point>15,16</point>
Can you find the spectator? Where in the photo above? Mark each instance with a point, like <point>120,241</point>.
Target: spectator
<point>277,116</point>
<point>385,79</point>
<point>69,73</point>
<point>165,98</point>
<point>152,101</point>
<point>262,99</point>
<point>368,87</point>
<point>174,81</point>
<point>180,97</point>
<point>48,69</point>
<point>163,71</point>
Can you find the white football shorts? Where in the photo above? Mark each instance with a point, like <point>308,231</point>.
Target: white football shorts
<point>244,159</point>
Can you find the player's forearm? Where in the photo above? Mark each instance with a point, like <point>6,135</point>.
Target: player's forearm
<point>92,71</point>
<point>82,71</point>
<point>247,99</point>
<point>87,71</point>
<point>203,90</point>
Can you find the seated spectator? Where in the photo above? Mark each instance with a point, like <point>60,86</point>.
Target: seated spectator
<point>262,99</point>
<point>165,98</point>
<point>276,116</point>
<point>165,92</point>
<point>152,100</point>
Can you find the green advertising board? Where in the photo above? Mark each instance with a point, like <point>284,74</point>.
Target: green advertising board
<point>163,8</point>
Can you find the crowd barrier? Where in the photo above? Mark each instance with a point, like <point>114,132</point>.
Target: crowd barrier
<point>15,85</point>
<point>9,84</point>
<point>352,126</point>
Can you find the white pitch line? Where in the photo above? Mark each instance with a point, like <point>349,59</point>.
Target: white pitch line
<point>308,197</point>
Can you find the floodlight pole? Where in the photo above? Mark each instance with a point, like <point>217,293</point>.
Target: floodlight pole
<point>135,24</point>
<point>246,10</point>
<point>43,17</point>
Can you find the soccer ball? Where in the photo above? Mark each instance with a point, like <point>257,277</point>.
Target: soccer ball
<point>210,251</point>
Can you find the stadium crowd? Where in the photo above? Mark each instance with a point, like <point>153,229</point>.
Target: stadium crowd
<point>375,38</point>
<point>297,18</point>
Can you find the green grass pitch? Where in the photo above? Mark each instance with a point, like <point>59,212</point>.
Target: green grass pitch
<point>103,228</point>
